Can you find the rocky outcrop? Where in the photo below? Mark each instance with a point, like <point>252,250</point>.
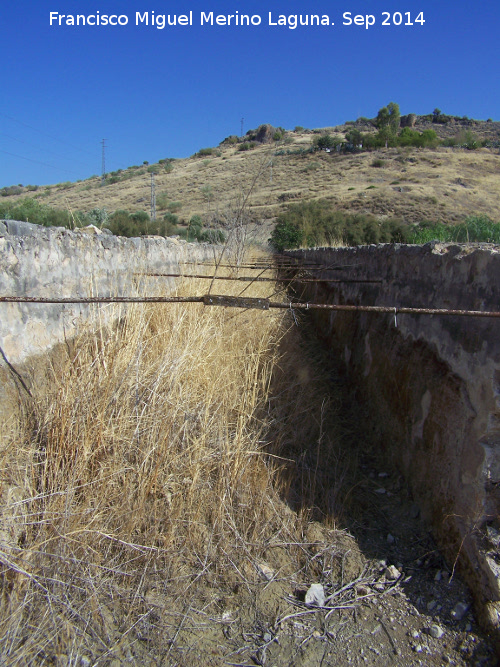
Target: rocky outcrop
<point>408,121</point>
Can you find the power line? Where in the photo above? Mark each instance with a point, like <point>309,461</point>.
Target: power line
<point>61,141</point>
<point>45,164</point>
<point>44,150</point>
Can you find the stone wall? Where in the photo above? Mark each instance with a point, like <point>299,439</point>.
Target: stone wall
<point>430,384</point>
<point>56,262</point>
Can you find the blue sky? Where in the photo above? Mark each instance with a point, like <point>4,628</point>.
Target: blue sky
<point>154,93</point>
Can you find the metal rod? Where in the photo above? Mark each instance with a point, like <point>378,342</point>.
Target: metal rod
<point>245,302</point>
<point>395,310</point>
<point>102,299</point>
<point>260,279</point>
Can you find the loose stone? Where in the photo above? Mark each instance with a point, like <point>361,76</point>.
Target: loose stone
<point>459,611</point>
<point>436,631</point>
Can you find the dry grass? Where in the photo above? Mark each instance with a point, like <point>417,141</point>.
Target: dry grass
<point>148,474</point>
<point>442,184</point>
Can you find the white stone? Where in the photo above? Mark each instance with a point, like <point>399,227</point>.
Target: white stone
<point>315,596</point>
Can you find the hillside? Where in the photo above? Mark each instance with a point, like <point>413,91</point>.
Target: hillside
<point>413,184</point>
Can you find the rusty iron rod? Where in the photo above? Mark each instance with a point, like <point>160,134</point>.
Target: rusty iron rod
<point>102,299</point>
<point>394,310</point>
<point>258,267</point>
<point>240,302</point>
<point>260,279</point>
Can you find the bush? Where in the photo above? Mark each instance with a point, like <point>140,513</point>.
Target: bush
<point>312,166</point>
<point>204,151</point>
<point>325,141</point>
<point>194,228</point>
<point>162,200</point>
<point>11,190</point>
<point>98,217</point>
<point>317,223</point>
<point>475,229</point>
<point>247,145</point>
<point>174,206</point>
<point>285,235</point>
<point>378,162</point>
<point>214,236</point>
<point>122,223</point>
<point>30,210</point>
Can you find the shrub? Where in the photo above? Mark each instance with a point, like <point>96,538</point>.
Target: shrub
<point>194,228</point>
<point>162,200</point>
<point>325,141</point>
<point>378,162</point>
<point>204,151</point>
<point>354,137</point>
<point>98,217</point>
<point>214,236</point>
<point>11,190</point>
<point>372,141</point>
<point>316,223</point>
<point>429,138</point>
<point>475,229</point>
<point>285,235</point>
<point>122,223</point>
<point>174,206</point>
<point>247,145</point>
<point>30,210</point>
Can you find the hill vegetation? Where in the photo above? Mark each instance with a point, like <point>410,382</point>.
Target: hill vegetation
<point>386,178</point>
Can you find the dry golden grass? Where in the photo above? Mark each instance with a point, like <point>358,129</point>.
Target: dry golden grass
<point>148,473</point>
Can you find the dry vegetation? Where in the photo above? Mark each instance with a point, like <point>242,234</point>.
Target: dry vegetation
<point>440,184</point>
<point>143,487</point>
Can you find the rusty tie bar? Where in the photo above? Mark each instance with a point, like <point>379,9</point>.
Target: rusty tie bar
<point>247,302</point>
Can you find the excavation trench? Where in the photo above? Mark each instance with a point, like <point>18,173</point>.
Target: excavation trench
<point>180,475</point>
<point>428,384</point>
<point>195,544</point>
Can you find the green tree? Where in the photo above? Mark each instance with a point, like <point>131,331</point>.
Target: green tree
<point>325,141</point>
<point>285,235</point>
<point>388,119</point>
<point>354,137</point>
